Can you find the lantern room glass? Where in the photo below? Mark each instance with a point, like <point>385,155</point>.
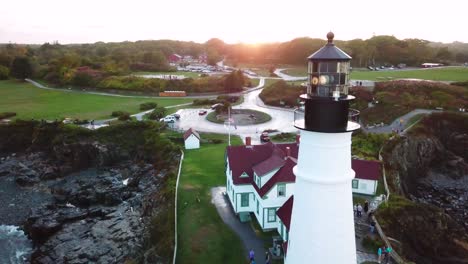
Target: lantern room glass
<point>328,78</point>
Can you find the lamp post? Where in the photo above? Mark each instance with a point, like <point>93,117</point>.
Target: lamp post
<point>322,223</point>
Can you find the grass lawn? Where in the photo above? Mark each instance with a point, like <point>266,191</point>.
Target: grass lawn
<point>436,74</point>
<point>29,102</point>
<point>269,82</point>
<point>186,74</point>
<point>284,137</point>
<point>203,236</point>
<point>414,119</point>
<point>296,71</point>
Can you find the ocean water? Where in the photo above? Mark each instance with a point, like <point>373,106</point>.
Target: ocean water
<point>15,247</point>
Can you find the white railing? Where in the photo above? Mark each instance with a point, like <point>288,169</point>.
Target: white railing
<point>175,207</point>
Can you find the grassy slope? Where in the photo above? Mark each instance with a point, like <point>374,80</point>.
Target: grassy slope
<point>203,237</point>
<point>31,102</point>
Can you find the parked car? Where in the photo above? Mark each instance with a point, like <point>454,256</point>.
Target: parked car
<point>202,112</point>
<point>168,119</point>
<point>264,137</point>
<point>67,120</point>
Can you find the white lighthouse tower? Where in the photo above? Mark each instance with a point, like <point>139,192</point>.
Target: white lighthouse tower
<point>322,223</point>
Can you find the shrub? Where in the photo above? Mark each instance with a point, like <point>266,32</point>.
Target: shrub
<point>119,113</point>
<point>7,115</point>
<point>281,94</point>
<point>148,106</point>
<point>4,72</point>
<point>371,244</point>
<point>157,113</point>
<point>124,117</point>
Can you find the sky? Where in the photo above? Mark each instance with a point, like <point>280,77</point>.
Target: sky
<point>247,21</point>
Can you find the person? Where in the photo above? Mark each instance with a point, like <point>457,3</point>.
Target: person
<point>355,210</point>
<point>267,258</point>
<point>372,226</point>
<point>388,250</point>
<point>359,210</point>
<point>371,213</point>
<point>379,254</point>
<point>251,255</point>
<point>366,206</point>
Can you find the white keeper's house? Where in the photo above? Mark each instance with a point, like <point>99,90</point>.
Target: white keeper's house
<point>191,139</point>
<point>260,180</point>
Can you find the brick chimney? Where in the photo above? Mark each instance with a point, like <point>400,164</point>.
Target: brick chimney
<point>298,139</point>
<point>288,152</point>
<point>248,142</point>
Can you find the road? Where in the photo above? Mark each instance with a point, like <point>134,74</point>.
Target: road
<point>281,119</point>
<point>399,123</point>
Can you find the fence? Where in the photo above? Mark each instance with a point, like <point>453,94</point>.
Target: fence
<point>175,207</point>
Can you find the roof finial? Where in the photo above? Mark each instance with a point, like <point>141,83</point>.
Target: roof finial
<point>330,37</point>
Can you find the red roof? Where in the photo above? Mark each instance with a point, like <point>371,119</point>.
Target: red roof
<point>244,158</point>
<point>262,159</point>
<point>275,161</point>
<point>284,213</point>
<point>189,132</point>
<point>366,169</point>
<point>285,174</point>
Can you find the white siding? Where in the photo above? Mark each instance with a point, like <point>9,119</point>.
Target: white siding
<point>365,186</point>
<point>192,142</point>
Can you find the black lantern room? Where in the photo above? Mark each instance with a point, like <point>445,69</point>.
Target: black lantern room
<point>326,104</point>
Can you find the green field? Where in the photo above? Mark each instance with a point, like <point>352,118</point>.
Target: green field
<point>437,74</point>
<point>296,71</point>
<point>29,102</point>
<point>179,73</point>
<point>203,236</point>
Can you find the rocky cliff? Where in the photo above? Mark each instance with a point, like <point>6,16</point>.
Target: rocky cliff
<point>429,167</point>
<point>88,197</point>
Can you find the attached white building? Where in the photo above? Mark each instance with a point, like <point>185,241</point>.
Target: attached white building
<point>260,182</point>
<point>191,139</point>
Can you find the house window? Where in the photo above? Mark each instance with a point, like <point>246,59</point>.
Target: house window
<point>244,199</point>
<point>244,175</point>
<point>355,184</point>
<point>281,190</point>
<point>271,215</point>
<point>258,207</point>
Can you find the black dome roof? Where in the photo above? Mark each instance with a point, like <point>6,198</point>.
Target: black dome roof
<point>330,51</point>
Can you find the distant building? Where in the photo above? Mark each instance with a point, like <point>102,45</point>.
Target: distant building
<point>174,58</point>
<point>191,139</point>
<point>431,65</point>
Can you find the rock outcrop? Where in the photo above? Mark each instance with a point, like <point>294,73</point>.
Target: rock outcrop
<point>429,167</point>
<point>85,201</point>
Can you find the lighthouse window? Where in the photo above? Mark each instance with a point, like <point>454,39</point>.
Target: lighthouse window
<point>355,184</point>
<point>244,199</point>
<point>281,190</point>
<point>271,214</point>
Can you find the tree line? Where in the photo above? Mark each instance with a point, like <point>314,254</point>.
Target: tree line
<point>58,63</point>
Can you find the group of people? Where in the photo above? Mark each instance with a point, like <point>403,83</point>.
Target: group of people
<point>252,257</point>
<point>383,254</point>
<point>358,208</point>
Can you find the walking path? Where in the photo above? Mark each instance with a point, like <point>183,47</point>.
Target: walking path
<point>243,230</point>
<point>399,123</point>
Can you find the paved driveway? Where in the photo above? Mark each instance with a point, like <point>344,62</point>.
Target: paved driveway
<point>243,230</point>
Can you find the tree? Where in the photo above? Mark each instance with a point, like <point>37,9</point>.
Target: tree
<point>4,72</point>
<point>21,68</point>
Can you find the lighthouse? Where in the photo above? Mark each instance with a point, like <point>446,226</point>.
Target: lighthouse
<point>322,223</point>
